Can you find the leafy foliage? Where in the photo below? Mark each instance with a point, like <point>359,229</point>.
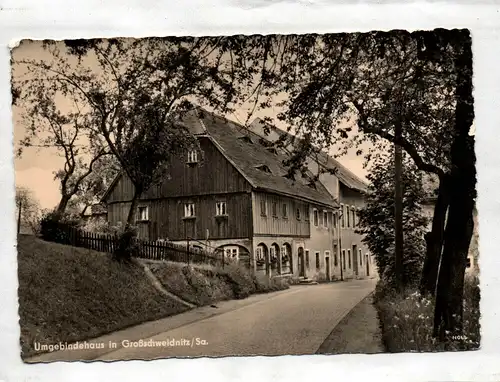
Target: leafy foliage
<point>376,220</point>
<point>29,208</point>
<point>56,228</point>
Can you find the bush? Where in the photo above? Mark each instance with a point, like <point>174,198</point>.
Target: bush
<point>101,226</point>
<point>127,246</point>
<point>406,319</point>
<point>57,229</point>
<point>204,285</point>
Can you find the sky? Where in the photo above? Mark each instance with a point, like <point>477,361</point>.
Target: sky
<point>35,168</point>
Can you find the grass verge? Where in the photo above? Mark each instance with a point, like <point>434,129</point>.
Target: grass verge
<point>68,294</point>
<point>406,320</point>
<point>206,285</point>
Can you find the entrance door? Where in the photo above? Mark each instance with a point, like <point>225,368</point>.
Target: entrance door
<point>327,262</point>
<point>367,265</point>
<point>301,264</point>
<point>355,259</point>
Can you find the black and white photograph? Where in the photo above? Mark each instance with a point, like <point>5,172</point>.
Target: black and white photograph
<point>243,195</point>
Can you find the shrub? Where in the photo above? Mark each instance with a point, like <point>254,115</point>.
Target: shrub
<point>127,246</point>
<point>406,319</point>
<point>57,229</point>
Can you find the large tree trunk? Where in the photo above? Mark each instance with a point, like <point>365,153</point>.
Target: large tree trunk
<point>460,224</point>
<point>434,240</point>
<point>459,227</point>
<point>61,207</point>
<point>133,206</point>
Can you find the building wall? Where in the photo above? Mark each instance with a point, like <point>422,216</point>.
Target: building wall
<point>213,174</point>
<point>167,220</point>
<point>360,265</point>
<point>297,233</point>
<point>266,223</point>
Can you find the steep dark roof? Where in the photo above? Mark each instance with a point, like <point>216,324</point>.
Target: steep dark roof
<point>251,158</point>
<point>345,176</point>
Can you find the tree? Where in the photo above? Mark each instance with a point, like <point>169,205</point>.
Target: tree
<point>131,93</point>
<point>379,80</point>
<point>376,220</point>
<point>66,132</point>
<point>28,209</point>
<point>94,186</point>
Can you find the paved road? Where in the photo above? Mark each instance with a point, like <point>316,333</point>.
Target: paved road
<point>294,322</point>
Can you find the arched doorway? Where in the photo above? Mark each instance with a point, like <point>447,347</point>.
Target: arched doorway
<point>274,255</point>
<point>261,258</point>
<point>301,264</point>
<point>234,253</point>
<point>286,259</point>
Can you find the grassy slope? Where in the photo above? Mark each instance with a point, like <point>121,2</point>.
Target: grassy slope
<point>206,285</point>
<point>71,294</point>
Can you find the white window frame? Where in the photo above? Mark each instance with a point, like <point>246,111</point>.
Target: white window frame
<point>285,210</point>
<point>342,222</point>
<point>221,208</point>
<point>263,211</point>
<point>189,210</point>
<point>317,260</point>
<point>143,217</point>
<point>192,156</point>
<point>315,217</point>
<point>354,215</point>
<point>325,218</point>
<point>259,253</point>
<point>231,252</point>
<point>348,214</point>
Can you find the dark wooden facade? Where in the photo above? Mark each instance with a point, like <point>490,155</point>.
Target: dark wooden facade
<point>214,174</point>
<point>213,179</point>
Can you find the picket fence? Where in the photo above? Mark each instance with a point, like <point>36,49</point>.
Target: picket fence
<point>151,250</point>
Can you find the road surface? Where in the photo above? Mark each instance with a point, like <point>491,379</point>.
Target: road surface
<point>294,322</point>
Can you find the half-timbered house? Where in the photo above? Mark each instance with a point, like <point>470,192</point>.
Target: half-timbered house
<point>233,196</point>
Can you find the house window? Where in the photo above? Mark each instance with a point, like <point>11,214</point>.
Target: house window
<point>143,213</point>
<point>343,216</point>
<point>307,258</point>
<point>263,209</point>
<point>348,215</point>
<point>259,253</point>
<point>335,260</point>
<point>334,220</point>
<point>275,209</point>
<point>316,217</point>
<point>325,218</point>
<point>264,168</point>
<point>306,213</point>
<point>231,253</point>
<point>353,210</point>
<point>349,258</point>
<point>220,209</point>
<point>192,156</point>
<point>343,259</point>
<point>360,258</point>
<point>468,262</point>
<point>285,211</point>
<point>318,265</point>
<point>297,214</point>
<point>189,210</point>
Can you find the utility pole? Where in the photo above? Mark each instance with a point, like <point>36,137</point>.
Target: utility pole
<point>19,215</point>
<point>398,206</point>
